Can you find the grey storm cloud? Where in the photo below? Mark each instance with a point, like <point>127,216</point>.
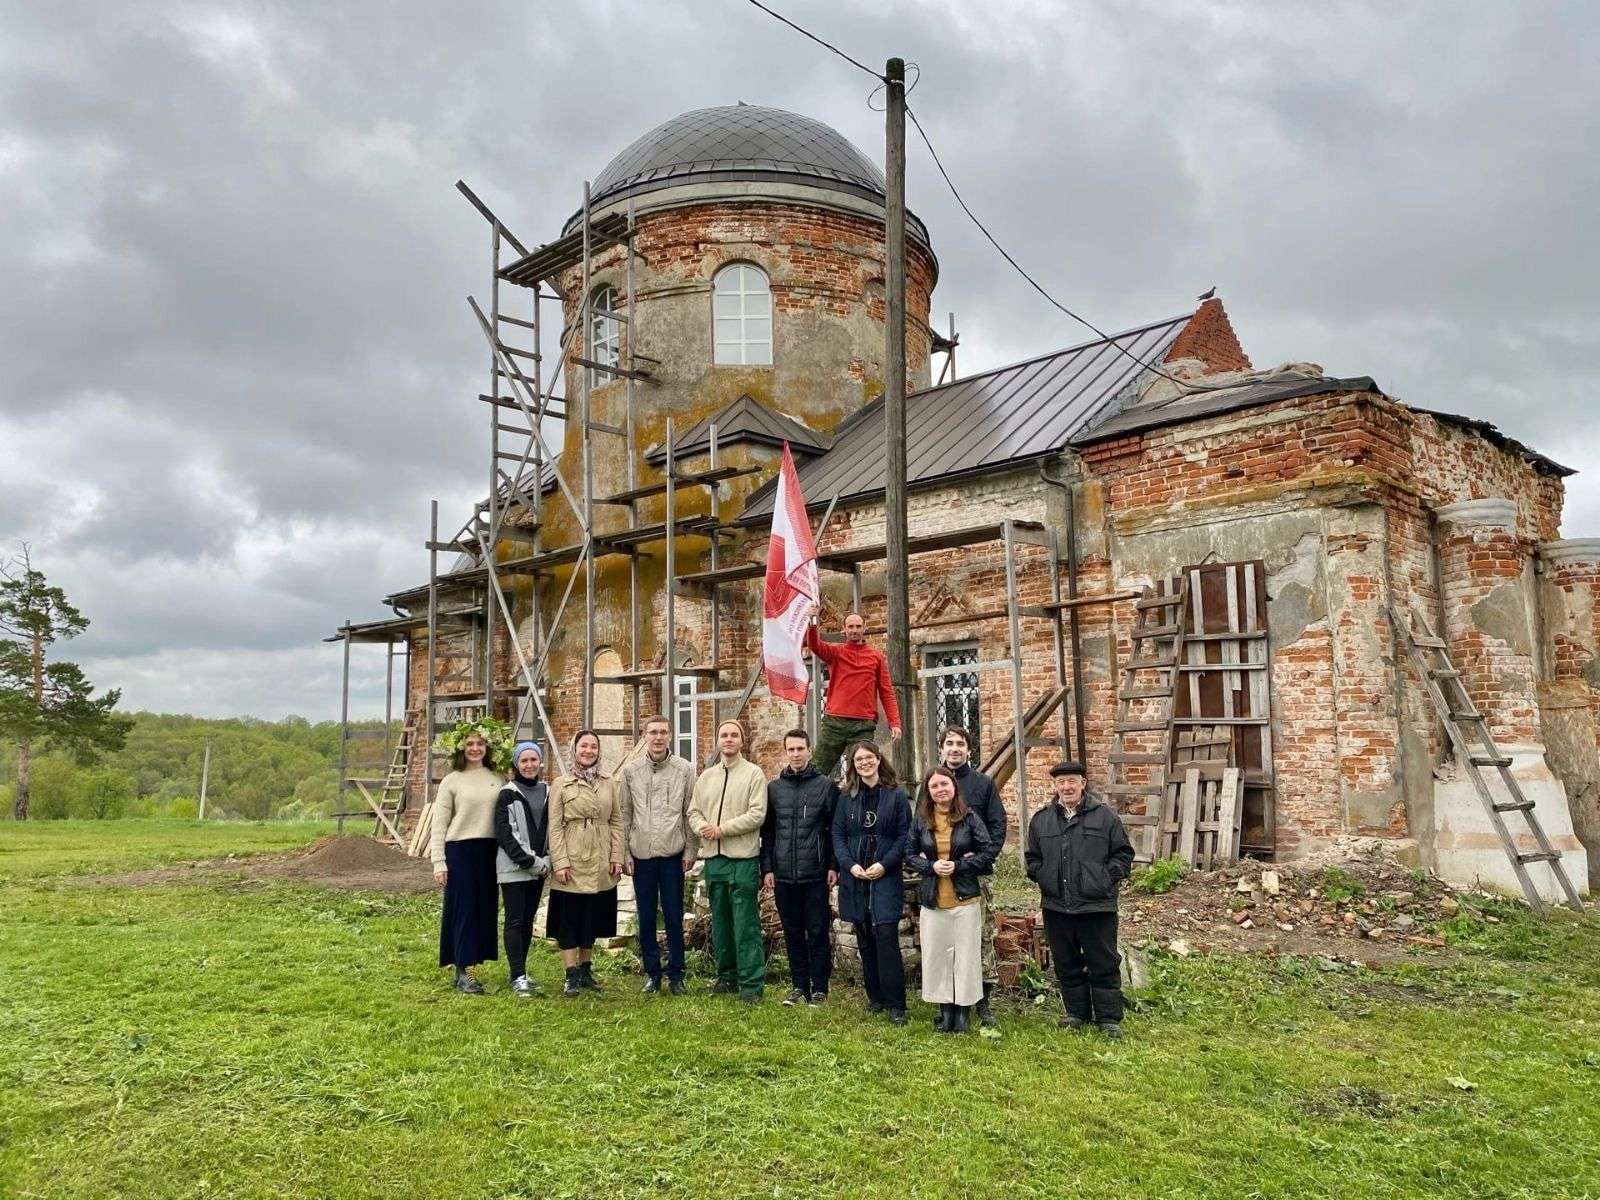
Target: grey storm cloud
<point>236,361</point>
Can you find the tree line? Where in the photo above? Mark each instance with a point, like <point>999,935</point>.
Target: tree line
<point>260,770</point>
<point>65,752</point>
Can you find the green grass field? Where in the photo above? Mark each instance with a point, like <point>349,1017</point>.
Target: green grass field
<point>246,1038</point>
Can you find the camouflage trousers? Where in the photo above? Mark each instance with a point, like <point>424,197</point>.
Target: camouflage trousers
<point>991,966</point>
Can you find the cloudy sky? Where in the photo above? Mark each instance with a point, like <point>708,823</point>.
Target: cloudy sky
<point>236,361</point>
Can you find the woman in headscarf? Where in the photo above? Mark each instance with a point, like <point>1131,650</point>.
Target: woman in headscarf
<point>949,848</point>
<point>521,828</point>
<point>586,857</point>
<point>869,841</point>
<point>462,848</point>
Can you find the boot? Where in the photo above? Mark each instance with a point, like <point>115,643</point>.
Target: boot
<point>1107,1005</point>
<point>959,1022</point>
<point>586,977</point>
<point>985,1017</point>
<point>466,984</point>
<point>941,1023</point>
<point>572,986</point>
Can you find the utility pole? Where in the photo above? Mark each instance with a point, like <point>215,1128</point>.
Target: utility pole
<point>898,622</point>
<point>205,778</point>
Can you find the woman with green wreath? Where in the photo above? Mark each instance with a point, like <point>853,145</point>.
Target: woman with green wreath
<point>463,850</point>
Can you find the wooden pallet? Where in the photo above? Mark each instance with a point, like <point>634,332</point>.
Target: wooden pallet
<point>1202,808</point>
<point>1476,752</point>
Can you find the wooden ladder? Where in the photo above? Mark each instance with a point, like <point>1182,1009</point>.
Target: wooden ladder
<point>1463,724</point>
<point>1144,707</point>
<point>391,789</point>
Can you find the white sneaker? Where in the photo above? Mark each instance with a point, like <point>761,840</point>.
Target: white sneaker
<point>524,987</point>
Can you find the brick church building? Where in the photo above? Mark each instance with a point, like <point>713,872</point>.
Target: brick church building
<point>1299,507</point>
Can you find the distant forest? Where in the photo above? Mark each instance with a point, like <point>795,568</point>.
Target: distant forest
<point>260,770</point>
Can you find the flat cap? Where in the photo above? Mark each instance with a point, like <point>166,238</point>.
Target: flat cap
<point>1067,768</point>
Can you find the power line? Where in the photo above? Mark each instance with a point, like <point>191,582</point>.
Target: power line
<point>1036,285</point>
<point>825,45</point>
<point>982,228</point>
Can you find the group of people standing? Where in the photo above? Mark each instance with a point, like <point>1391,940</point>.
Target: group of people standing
<point>800,836</point>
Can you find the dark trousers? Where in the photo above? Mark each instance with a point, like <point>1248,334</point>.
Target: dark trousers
<point>660,880</point>
<point>521,902</point>
<point>803,909</point>
<point>882,973</point>
<point>834,735</point>
<point>1084,947</point>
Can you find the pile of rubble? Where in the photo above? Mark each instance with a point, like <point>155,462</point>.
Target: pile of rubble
<point>1366,907</point>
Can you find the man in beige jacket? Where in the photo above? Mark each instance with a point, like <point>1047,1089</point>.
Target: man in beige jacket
<point>729,806</point>
<point>660,842</point>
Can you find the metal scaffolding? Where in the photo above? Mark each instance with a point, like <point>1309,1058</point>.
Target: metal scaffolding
<point>506,537</point>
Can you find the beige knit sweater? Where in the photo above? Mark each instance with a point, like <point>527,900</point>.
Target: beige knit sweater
<point>464,808</point>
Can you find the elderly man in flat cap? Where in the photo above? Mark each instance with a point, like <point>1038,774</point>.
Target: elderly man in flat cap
<point>1079,854</point>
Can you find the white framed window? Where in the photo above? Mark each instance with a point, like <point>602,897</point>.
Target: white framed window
<point>605,334</point>
<point>741,311</point>
<point>685,727</point>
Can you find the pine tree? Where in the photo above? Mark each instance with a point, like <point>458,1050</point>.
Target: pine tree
<point>46,703</point>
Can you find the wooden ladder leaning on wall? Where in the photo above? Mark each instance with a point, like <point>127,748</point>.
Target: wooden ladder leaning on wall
<point>1465,725</point>
<point>389,802</point>
<point>1138,769</point>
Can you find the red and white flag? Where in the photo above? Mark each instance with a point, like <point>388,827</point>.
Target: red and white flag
<point>790,594</point>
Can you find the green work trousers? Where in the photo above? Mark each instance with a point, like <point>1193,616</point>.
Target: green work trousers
<point>733,885</point>
<point>836,733</point>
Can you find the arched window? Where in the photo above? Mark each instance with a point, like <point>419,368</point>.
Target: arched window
<point>741,306</point>
<point>605,334</point>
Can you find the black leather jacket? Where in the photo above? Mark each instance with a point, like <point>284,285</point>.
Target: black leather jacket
<point>970,849</point>
<point>796,837</point>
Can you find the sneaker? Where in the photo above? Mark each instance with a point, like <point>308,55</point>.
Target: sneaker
<point>675,986</point>
<point>651,987</point>
<point>573,986</point>
<point>1112,1030</point>
<point>586,979</point>
<point>817,999</point>
<point>795,996</point>
<point>524,987</point>
<point>468,986</point>
<point>750,997</point>
<point>723,988</point>
<point>897,1016</point>
<point>1071,1022</point>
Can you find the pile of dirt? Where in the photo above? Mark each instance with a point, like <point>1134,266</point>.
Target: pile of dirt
<point>351,862</point>
<point>1365,908</point>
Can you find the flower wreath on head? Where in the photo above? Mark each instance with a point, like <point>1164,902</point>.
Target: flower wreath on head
<point>497,733</point>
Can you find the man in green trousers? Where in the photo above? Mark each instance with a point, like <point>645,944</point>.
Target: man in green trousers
<point>858,681</point>
<point>727,811</point>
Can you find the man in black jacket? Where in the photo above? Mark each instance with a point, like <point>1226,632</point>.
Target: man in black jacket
<point>983,798</point>
<point>797,864</point>
<point>1079,854</point>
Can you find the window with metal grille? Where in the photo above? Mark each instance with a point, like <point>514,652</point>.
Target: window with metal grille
<point>953,699</point>
<point>605,335</point>
<point>741,310</point>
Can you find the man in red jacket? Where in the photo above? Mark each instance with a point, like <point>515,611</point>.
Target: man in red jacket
<point>858,678</point>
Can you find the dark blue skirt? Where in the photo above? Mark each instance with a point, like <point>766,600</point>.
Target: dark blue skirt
<point>467,932</point>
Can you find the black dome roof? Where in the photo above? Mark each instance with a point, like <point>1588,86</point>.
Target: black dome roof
<point>739,141</point>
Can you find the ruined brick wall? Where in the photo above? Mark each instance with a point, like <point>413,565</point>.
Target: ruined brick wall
<point>1336,494</point>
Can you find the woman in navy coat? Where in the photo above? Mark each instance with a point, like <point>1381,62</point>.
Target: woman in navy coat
<point>870,825</point>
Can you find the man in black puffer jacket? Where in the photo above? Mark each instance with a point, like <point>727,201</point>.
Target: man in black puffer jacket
<point>1079,854</point>
<point>797,864</point>
<point>983,798</point>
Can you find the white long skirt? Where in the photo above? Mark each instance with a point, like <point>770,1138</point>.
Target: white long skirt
<point>952,954</point>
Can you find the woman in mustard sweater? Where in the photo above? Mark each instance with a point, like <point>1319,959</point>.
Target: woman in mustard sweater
<point>463,850</point>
